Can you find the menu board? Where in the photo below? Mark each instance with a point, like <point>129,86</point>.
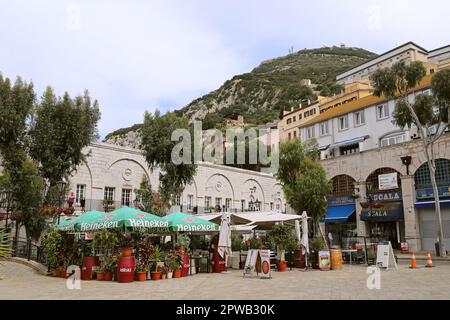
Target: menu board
<point>264,256</point>
<point>324,260</point>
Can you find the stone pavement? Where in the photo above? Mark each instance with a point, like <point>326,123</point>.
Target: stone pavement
<point>22,282</point>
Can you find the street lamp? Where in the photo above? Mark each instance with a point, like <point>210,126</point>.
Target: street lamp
<point>62,187</point>
<point>407,162</point>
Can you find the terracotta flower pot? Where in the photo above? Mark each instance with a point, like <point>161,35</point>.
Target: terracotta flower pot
<point>55,273</point>
<point>163,276</point>
<point>100,275</point>
<point>177,273</point>
<point>281,266</point>
<point>142,276</point>
<point>126,252</point>
<point>107,276</point>
<point>62,273</point>
<point>156,275</point>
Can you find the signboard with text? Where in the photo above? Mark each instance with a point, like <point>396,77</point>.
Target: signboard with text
<point>427,193</point>
<point>388,181</point>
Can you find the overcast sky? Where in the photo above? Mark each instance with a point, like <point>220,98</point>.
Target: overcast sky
<point>141,55</point>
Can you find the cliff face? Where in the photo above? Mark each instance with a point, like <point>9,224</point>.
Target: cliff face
<point>262,94</point>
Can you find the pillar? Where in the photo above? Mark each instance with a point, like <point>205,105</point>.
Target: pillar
<point>412,231</point>
<point>360,225</point>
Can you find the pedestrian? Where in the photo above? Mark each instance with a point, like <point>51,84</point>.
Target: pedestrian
<point>71,199</point>
<point>330,238</point>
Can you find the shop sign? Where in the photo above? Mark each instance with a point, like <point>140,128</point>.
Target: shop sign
<point>324,260</point>
<point>388,181</point>
<point>388,212</point>
<point>264,255</point>
<point>386,197</point>
<point>334,201</point>
<point>427,193</point>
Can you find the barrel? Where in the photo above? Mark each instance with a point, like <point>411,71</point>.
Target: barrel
<point>125,269</point>
<point>299,259</point>
<point>90,265</point>
<point>218,263</point>
<point>336,259</point>
<point>185,266</point>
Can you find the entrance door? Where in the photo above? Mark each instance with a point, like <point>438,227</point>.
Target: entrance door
<point>384,231</point>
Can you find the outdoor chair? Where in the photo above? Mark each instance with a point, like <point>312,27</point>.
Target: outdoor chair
<point>359,257</point>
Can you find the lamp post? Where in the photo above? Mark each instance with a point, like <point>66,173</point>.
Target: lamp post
<point>62,187</point>
<point>406,162</point>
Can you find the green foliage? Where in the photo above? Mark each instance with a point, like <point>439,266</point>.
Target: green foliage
<point>6,249</point>
<point>158,145</point>
<point>62,127</point>
<point>157,256</point>
<point>317,244</point>
<point>183,241</point>
<point>253,243</point>
<point>145,195</point>
<point>282,237</point>
<point>144,252</point>
<point>304,180</point>
<point>52,241</point>
<point>236,242</point>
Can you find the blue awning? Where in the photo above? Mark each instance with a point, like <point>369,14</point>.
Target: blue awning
<point>430,204</point>
<point>339,214</point>
<point>348,142</point>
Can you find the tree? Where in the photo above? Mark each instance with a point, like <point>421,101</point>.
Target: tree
<point>144,195</point>
<point>60,130</point>
<point>158,145</point>
<point>428,113</point>
<point>305,184</point>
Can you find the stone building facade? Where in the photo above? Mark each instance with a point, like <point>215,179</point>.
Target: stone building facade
<point>113,172</point>
<point>418,227</point>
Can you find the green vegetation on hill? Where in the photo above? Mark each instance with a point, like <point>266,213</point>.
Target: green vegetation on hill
<point>262,94</point>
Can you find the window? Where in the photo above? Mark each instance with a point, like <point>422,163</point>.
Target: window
<point>289,136</point>
<point>392,140</point>
<point>294,119</point>
<point>177,200</point>
<point>354,148</point>
<point>109,193</point>
<point>299,116</point>
<point>207,202</point>
<point>271,206</point>
<point>295,134</point>
<point>126,196</point>
<point>242,205</point>
<point>306,114</point>
<point>422,175</point>
<point>219,202</point>
<point>310,133</point>
<point>227,204</point>
<point>324,128</point>
<point>360,118</point>
<point>343,122</point>
<point>382,112</point>
<point>289,121</point>
<point>81,193</point>
<point>190,201</point>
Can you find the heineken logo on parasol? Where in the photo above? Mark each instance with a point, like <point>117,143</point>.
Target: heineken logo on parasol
<point>99,225</point>
<point>193,227</point>
<point>148,224</point>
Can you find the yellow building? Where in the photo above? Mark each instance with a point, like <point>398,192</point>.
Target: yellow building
<point>352,92</point>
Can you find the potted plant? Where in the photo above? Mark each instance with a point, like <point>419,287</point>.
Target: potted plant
<point>69,211</point>
<point>316,245</point>
<point>110,264</point>
<point>126,245</point>
<point>164,271</point>
<point>144,252</point>
<point>176,260</point>
<point>52,242</point>
<point>156,257</point>
<point>281,238</point>
<point>108,205</point>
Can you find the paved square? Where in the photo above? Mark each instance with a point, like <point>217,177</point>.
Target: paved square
<point>21,282</point>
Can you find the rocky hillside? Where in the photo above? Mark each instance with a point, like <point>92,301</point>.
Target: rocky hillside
<point>273,86</point>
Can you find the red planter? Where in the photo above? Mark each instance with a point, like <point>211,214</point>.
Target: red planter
<point>89,266</point>
<point>100,275</point>
<point>141,276</point>
<point>218,263</point>
<point>177,273</point>
<point>156,275</point>
<point>185,266</point>
<point>126,252</point>
<point>125,269</point>
<point>281,266</point>
<point>108,276</point>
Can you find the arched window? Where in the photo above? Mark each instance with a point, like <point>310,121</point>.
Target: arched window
<point>422,175</point>
<point>342,185</point>
<point>372,180</point>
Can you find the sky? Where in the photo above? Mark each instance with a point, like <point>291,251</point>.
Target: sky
<point>135,56</point>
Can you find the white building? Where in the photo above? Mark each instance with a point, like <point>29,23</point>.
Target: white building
<point>113,173</point>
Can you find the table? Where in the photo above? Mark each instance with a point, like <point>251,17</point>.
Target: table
<point>349,251</point>
<point>198,259</point>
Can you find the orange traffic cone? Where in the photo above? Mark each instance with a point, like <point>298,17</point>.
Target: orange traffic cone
<point>429,261</point>
<point>413,262</point>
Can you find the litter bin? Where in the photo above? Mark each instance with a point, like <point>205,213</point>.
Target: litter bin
<point>436,246</point>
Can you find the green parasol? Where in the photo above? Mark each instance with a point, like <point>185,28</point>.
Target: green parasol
<point>122,218</point>
<point>72,224</point>
<point>182,222</point>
